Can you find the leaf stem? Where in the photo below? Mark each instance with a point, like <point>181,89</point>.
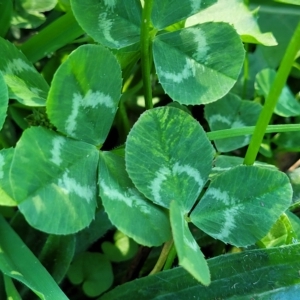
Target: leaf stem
<point>163,257</point>
<point>170,259</point>
<point>228,133</point>
<point>277,86</point>
<point>145,53</point>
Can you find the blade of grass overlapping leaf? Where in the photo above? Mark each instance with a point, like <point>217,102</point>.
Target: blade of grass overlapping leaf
<point>18,262</point>
<point>257,274</point>
<point>231,112</point>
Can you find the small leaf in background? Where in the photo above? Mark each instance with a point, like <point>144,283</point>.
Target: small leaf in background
<point>281,234</point>
<point>241,205</point>
<point>236,13</point>
<point>3,100</point>
<point>54,181</point>
<point>6,193</point>
<point>268,274</point>
<point>57,254</point>
<point>189,254</point>
<point>287,105</point>
<point>24,83</point>
<point>123,248</point>
<point>168,156</point>
<point>232,112</point>
<point>168,12</point>
<point>18,262</point>
<point>29,14</point>
<point>127,208</point>
<point>93,271</point>
<point>115,24</point>
<point>199,64</point>
<point>84,94</point>
<point>287,141</point>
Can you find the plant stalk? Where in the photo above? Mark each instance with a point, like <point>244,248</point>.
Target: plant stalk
<point>233,132</point>
<point>276,88</point>
<point>145,53</point>
<point>163,257</point>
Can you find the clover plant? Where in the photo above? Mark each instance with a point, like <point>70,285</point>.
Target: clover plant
<point>125,133</point>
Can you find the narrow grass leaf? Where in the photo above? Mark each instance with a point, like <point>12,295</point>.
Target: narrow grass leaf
<point>113,23</point>
<point>189,254</point>
<point>143,221</point>
<point>232,112</point>
<point>241,205</point>
<point>168,12</point>
<point>267,274</point>
<point>237,14</point>
<point>24,83</point>
<point>18,262</point>
<point>199,64</point>
<point>54,181</point>
<point>168,156</point>
<point>84,94</point>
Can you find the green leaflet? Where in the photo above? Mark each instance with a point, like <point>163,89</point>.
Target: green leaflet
<point>84,94</point>
<point>199,64</point>
<point>241,205</point>
<point>237,14</point>
<point>287,105</point>
<point>232,112</point>
<point>168,12</point>
<point>3,100</point>
<point>6,198</point>
<point>94,271</point>
<point>268,274</point>
<point>18,262</point>
<point>115,24</point>
<point>189,254</point>
<point>141,220</point>
<point>48,184</point>
<point>24,83</point>
<point>168,156</point>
